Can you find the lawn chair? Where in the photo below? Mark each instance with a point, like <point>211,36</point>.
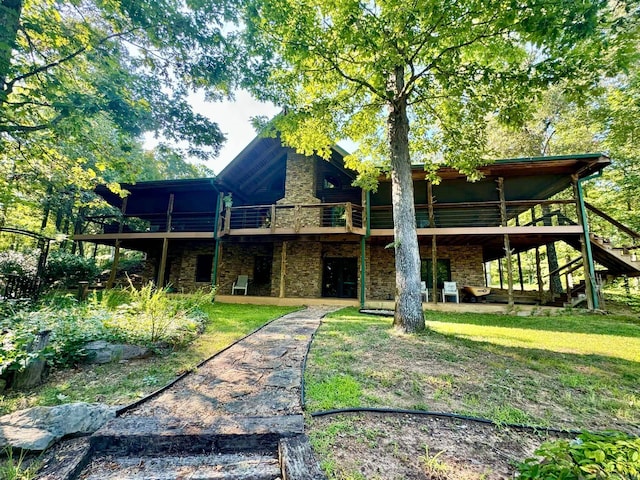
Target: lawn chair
<point>450,289</point>
<point>424,291</point>
<point>241,284</point>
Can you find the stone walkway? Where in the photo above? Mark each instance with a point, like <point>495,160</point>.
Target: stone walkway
<point>260,376</point>
<point>229,415</point>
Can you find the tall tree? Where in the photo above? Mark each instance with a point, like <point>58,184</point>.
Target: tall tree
<point>81,81</point>
<point>361,68</point>
<point>136,61</point>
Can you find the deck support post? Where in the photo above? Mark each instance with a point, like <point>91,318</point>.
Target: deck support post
<point>519,261</point>
<point>163,262</point>
<point>116,253</point>
<point>283,268</point>
<point>216,234</point>
<point>507,243</point>
<point>434,246</point>
<point>539,276</point>
<point>587,265</point>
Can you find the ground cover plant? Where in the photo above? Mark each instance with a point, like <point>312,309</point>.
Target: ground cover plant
<point>122,382</point>
<point>571,371</point>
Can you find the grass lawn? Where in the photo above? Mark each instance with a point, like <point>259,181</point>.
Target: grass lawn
<point>122,383</point>
<point>571,371</point>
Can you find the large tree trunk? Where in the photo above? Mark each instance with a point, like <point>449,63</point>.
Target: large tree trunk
<point>10,11</point>
<point>408,315</point>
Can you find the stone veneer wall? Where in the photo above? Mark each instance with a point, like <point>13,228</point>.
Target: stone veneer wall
<point>185,271</point>
<point>239,259</point>
<point>303,270</point>
<point>466,268</point>
<point>300,185</point>
<point>304,266</point>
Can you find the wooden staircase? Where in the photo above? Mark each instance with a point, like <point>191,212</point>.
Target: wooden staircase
<point>618,261</point>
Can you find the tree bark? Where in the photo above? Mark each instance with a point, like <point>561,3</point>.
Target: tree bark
<point>555,284</point>
<point>408,312</point>
<point>10,11</point>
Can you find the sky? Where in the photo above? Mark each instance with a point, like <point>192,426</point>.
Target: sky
<point>234,119</point>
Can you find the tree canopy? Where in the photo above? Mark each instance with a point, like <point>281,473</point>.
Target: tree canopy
<point>415,82</point>
<point>81,81</point>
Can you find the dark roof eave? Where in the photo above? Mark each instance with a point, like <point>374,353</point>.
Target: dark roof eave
<point>597,162</point>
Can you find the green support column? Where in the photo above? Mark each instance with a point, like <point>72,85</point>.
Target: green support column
<point>214,272</point>
<point>587,239</point>
<point>363,244</point>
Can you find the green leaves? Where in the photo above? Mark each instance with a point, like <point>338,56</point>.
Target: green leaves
<point>607,455</point>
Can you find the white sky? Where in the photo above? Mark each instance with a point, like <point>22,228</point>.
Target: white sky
<point>234,119</point>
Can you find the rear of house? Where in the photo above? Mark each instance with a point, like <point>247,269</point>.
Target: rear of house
<point>298,228</point>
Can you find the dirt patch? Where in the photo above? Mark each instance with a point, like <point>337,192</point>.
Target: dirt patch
<point>399,446</point>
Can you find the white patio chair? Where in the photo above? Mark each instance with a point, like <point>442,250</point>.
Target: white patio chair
<point>450,289</point>
<point>424,291</point>
<point>241,284</point>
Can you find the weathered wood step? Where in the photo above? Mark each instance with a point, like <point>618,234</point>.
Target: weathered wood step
<point>193,467</point>
<point>136,435</point>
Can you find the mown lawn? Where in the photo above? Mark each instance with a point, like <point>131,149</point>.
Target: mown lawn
<point>572,371</point>
<point>122,383</point>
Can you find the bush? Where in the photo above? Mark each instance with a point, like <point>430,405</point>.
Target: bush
<point>148,316</point>
<point>66,269</point>
<point>608,455</point>
<point>19,263</point>
<point>151,317</point>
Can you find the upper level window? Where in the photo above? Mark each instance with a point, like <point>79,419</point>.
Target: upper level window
<point>330,182</point>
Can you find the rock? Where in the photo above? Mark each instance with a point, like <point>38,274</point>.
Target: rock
<point>105,352</point>
<point>38,428</point>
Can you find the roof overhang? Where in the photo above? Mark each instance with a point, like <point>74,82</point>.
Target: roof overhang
<point>582,165</point>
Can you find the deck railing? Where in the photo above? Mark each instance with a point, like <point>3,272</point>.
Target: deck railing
<point>301,218</point>
<point>157,222</point>
<point>484,214</point>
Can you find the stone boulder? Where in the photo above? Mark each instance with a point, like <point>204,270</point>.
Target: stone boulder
<point>38,428</point>
<point>105,352</point>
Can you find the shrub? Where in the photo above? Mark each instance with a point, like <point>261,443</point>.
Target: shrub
<point>19,263</point>
<point>608,455</point>
<point>151,317</point>
<point>148,316</point>
<point>66,269</point>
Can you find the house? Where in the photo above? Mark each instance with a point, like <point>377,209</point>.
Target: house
<point>299,229</point>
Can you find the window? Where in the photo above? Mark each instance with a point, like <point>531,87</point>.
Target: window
<point>331,182</point>
<point>262,270</point>
<point>204,265</point>
<point>443,274</point>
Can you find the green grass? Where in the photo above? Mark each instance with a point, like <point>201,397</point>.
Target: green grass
<point>122,383</point>
<point>571,371</point>
<point>617,336</point>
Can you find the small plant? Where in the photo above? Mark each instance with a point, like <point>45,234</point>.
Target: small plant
<point>12,468</point>
<point>608,455</point>
<point>434,467</point>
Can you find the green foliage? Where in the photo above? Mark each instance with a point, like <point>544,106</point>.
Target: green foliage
<point>18,263</point>
<point>122,382</point>
<point>17,468</point>
<point>608,455</point>
<point>147,316</point>
<point>66,269</point>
